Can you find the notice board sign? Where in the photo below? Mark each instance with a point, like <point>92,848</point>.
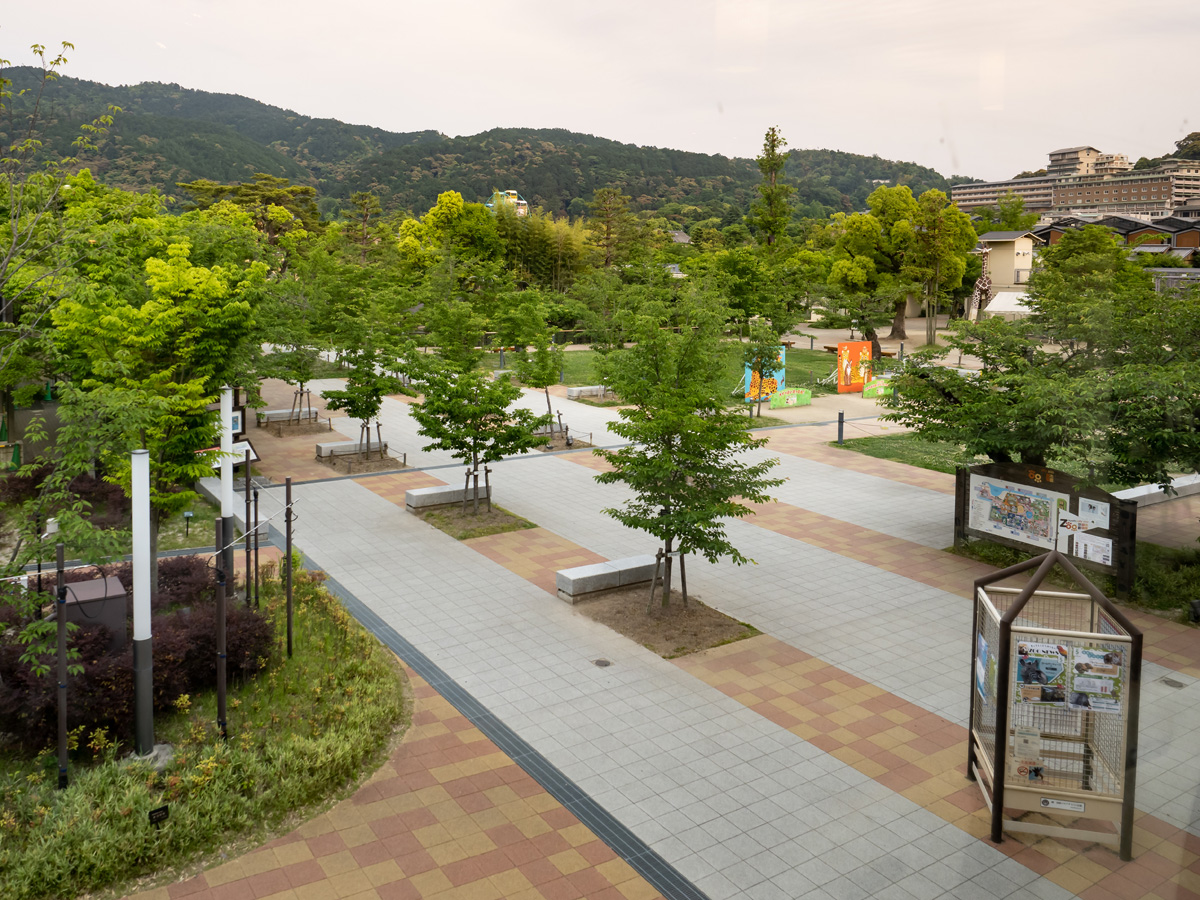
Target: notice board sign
<point>1038,509</point>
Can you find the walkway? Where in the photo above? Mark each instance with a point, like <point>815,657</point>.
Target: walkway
<point>818,760</point>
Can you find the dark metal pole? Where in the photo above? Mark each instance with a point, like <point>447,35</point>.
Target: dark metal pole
<point>811,341</point>
<point>62,666</point>
<point>247,529</point>
<point>287,561</point>
<point>1133,709</point>
<point>220,562</point>
<point>841,426</point>
<point>255,549</point>
<point>900,358</point>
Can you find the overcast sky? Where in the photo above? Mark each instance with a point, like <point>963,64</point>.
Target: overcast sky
<point>977,89</point>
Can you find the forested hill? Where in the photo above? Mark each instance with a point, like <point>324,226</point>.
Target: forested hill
<point>167,134</point>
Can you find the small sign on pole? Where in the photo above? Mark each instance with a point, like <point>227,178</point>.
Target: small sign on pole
<point>158,816</point>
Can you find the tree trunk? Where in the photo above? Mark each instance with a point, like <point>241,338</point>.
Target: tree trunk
<point>899,333</point>
<point>666,594</point>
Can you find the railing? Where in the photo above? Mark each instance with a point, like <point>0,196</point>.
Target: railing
<point>1021,276</point>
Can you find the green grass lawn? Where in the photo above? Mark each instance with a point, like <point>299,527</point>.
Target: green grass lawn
<point>911,450</point>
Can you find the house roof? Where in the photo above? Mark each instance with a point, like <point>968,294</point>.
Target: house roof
<point>680,237</point>
<point>1006,235</point>
<point>1073,149</point>
<point>1008,302</point>
<point>1176,223</point>
<point>1123,224</point>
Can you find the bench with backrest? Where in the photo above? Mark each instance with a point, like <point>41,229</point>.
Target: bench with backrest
<point>585,582</point>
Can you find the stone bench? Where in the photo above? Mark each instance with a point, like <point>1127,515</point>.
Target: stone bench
<point>267,416</point>
<point>586,582</point>
<point>591,390</point>
<point>347,448</point>
<point>421,500</point>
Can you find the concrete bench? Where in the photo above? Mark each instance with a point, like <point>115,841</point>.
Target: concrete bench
<point>267,416</point>
<point>586,582</point>
<point>421,500</point>
<point>592,390</point>
<point>347,448</point>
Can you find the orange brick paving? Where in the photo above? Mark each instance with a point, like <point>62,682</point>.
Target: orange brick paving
<point>535,554</point>
<point>923,756</point>
<point>588,460</point>
<point>1172,524</point>
<point>393,485</point>
<point>448,816</point>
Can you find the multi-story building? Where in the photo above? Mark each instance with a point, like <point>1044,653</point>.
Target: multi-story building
<point>1038,193</point>
<point>1145,193</point>
<point>1083,181</point>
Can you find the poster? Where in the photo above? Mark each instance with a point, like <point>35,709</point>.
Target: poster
<point>1094,549</point>
<point>981,665</point>
<point>763,389</point>
<point>1095,679</point>
<point>1027,754</point>
<point>853,366</point>
<point>791,397</point>
<point>1094,512</point>
<point>1041,676</point>
<point>1014,511</point>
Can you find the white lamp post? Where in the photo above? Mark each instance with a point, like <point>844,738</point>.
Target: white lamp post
<point>143,657</point>
<point>227,482</point>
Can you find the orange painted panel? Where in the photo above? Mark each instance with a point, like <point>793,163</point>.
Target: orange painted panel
<point>853,365</point>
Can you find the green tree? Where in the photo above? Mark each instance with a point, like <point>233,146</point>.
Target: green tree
<point>762,358</point>
<point>613,227</point>
<point>40,242</point>
<point>365,209</point>
<point>468,415</point>
<point>539,360</point>
<point>942,238</point>
<point>363,395</point>
<point>276,205</point>
<point>167,353</point>
<point>682,462</point>
<point>1007,215</point>
<point>771,212</point>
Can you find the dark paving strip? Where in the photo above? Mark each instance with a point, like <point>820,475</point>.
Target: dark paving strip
<point>664,877</point>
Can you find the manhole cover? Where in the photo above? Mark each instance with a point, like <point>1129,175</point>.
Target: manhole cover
<point>1171,682</point>
<point>604,662</point>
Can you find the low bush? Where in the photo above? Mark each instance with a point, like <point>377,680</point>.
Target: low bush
<point>101,695</point>
<point>299,731</point>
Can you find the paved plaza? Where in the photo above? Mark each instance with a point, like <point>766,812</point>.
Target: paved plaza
<point>822,759</point>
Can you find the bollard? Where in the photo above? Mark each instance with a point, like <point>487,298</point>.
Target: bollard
<point>841,425</point>
<point>811,341</point>
<point>900,358</point>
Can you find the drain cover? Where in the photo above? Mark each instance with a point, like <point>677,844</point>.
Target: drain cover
<point>1171,682</point>
<point>604,662</point>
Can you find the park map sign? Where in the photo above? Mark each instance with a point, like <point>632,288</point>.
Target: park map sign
<point>1032,508</point>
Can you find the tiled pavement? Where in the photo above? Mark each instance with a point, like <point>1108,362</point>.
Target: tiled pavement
<point>449,815</point>
<point>845,781</point>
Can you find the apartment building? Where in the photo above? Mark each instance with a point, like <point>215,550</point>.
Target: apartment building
<point>1083,181</point>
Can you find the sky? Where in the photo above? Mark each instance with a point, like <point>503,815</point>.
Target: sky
<point>985,90</point>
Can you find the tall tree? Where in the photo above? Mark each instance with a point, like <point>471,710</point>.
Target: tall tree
<point>683,461</point>
<point>942,237</point>
<point>612,225</point>
<point>771,212</point>
<point>39,243</point>
<point>762,358</point>
<point>364,209</point>
<point>539,360</point>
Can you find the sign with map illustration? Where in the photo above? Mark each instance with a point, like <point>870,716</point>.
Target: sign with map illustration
<point>764,387</point>
<point>1018,512</point>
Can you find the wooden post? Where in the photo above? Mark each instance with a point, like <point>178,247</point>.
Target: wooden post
<point>654,581</point>
<point>487,487</point>
<point>683,579</point>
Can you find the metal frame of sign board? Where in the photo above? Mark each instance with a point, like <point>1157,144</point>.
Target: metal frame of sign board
<point>1122,529</point>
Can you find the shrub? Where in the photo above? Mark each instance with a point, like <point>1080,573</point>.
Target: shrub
<point>184,629</point>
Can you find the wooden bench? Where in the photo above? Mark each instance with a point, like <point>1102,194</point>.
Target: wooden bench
<point>422,500</point>
<point>585,582</point>
<point>347,448</point>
